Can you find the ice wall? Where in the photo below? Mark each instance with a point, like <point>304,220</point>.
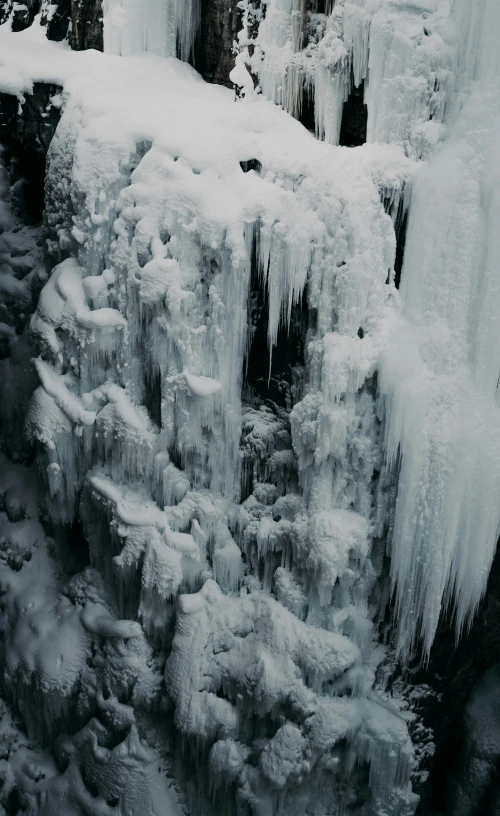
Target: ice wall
<point>441,370</point>
<point>69,667</point>
<point>155,223</point>
<point>396,50</point>
<point>164,27</point>
<point>421,66</point>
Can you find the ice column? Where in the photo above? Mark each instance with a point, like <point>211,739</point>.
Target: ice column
<point>441,372</point>
<point>164,27</point>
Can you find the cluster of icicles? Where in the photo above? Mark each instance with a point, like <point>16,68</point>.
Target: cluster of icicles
<point>139,410</point>
<point>409,72</point>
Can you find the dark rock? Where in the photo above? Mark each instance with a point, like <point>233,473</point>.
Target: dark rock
<point>454,671</point>
<point>23,14</point>
<point>37,122</point>
<point>5,9</point>
<point>251,164</point>
<point>87,25</point>
<point>475,784</point>
<point>274,378</point>
<point>9,106</point>
<point>78,21</point>
<point>213,54</point>
<point>27,126</point>
<point>354,119</point>
<point>59,24</point>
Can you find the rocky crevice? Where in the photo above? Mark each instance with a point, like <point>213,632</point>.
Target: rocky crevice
<point>78,21</point>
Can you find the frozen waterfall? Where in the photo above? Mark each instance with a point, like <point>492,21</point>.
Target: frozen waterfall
<point>247,460</point>
<point>441,371</point>
<point>158,26</point>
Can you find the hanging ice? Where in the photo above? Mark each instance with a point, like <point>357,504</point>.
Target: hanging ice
<point>242,543</point>
<point>396,49</point>
<point>158,26</point>
<point>441,370</point>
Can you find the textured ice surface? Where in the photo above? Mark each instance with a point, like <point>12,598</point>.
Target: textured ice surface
<point>159,26</point>
<point>66,657</point>
<point>396,49</point>
<point>441,369</point>
<point>21,276</point>
<point>142,334</point>
<point>237,550</point>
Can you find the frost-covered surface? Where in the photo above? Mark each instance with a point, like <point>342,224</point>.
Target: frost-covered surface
<point>441,370</point>
<point>398,50</point>
<point>158,26</point>
<point>142,334</point>
<point>69,666</point>
<point>237,549</point>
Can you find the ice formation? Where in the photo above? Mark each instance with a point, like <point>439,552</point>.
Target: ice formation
<point>395,51</point>
<point>162,27</point>
<point>226,627</point>
<point>441,371</point>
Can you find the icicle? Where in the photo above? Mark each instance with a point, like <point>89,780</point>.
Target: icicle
<point>284,263</point>
<point>184,19</point>
<point>298,21</point>
<point>157,26</point>
<point>330,92</point>
<point>441,371</point>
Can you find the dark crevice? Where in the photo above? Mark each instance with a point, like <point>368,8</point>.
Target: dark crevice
<point>89,783</point>
<point>307,117</point>
<point>400,249</point>
<point>251,164</point>
<point>453,672</point>
<point>354,119</point>
<point>27,175</point>
<point>213,52</point>
<point>320,6</point>
<point>152,397</point>
<point>69,546</point>
<point>275,384</point>
<point>26,134</point>
<point>13,803</point>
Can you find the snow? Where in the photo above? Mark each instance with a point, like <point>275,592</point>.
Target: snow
<point>266,685</point>
<point>56,388</point>
<point>62,305</point>
<point>201,386</point>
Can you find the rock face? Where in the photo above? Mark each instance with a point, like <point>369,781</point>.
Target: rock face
<point>32,123</point>
<point>455,673</point>
<point>23,13</point>
<point>214,47</point>
<point>86,25</point>
<point>26,130</point>
<point>78,20</point>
